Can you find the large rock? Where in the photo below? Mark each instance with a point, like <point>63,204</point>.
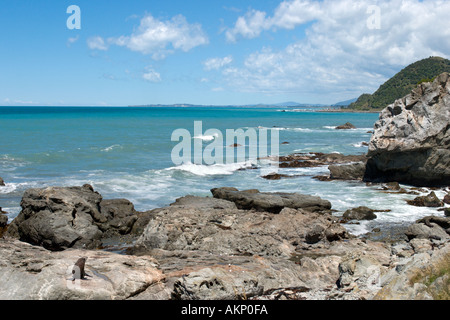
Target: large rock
<point>411,143</point>
<point>446,198</point>
<point>360,213</point>
<point>271,202</point>
<point>353,171</point>
<point>33,273</point>
<point>447,212</point>
<point>2,183</point>
<point>431,200</point>
<point>346,126</point>
<point>64,217</point>
<point>431,227</point>
<point>215,225</point>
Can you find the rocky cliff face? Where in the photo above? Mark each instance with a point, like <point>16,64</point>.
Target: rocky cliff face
<point>411,142</point>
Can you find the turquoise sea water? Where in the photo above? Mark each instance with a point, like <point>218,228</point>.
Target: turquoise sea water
<point>126,153</point>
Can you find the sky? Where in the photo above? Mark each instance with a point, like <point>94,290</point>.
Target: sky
<point>120,53</point>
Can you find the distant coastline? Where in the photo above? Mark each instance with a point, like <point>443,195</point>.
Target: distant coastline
<point>349,111</point>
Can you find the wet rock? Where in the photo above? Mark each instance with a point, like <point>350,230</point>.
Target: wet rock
<point>447,199</point>
<point>276,176</point>
<point>360,213</point>
<point>354,171</point>
<point>430,200</point>
<point>2,183</point>
<point>393,186</point>
<point>311,160</point>
<point>346,126</point>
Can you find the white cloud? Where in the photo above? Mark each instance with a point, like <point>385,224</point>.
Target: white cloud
<point>339,53</point>
<point>19,102</point>
<point>249,26</point>
<point>159,38</point>
<point>217,63</point>
<point>287,15</point>
<point>97,43</point>
<point>151,75</point>
<point>72,40</point>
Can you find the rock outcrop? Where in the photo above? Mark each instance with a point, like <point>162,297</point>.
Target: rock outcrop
<point>346,126</point>
<point>34,273</point>
<point>58,218</point>
<point>271,202</point>
<point>214,226</point>
<point>430,200</point>
<point>317,159</point>
<point>446,198</point>
<point>2,182</point>
<point>411,143</point>
<point>353,171</point>
<point>224,252</point>
<point>360,213</point>
<point>431,227</point>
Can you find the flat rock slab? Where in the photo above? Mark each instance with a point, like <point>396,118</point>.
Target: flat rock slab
<point>271,202</point>
<point>34,273</point>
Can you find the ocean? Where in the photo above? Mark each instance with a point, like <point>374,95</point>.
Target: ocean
<point>125,152</point>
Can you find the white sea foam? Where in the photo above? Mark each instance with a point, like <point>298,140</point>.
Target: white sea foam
<point>8,188</point>
<point>347,195</point>
<point>12,212</point>
<point>289,129</point>
<point>360,144</point>
<point>11,187</point>
<point>110,148</point>
<point>215,169</point>
<point>364,130</point>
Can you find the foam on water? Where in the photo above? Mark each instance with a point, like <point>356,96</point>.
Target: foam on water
<point>215,169</point>
<point>360,144</point>
<point>110,148</point>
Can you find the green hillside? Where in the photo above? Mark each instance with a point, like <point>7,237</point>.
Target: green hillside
<point>402,83</point>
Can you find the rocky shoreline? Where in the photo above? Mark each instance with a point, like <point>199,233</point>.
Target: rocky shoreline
<point>233,245</point>
<point>247,244</point>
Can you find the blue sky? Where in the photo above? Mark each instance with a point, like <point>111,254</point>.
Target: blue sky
<point>211,52</point>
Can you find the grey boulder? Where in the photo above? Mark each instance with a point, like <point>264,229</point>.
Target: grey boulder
<point>411,143</point>
<point>271,202</point>
<point>58,218</point>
